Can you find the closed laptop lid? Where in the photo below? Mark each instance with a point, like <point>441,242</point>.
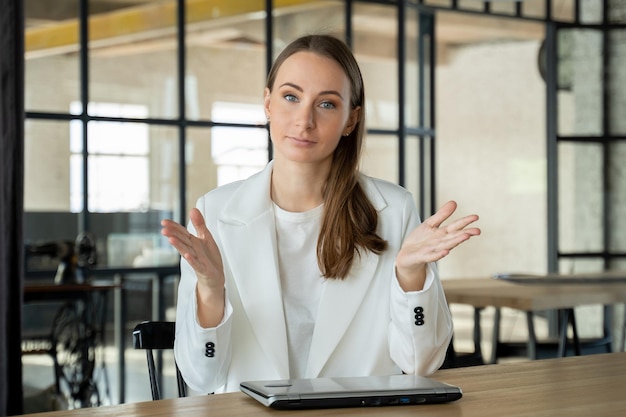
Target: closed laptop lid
<point>350,391</point>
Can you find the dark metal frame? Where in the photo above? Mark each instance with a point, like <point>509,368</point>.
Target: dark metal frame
<point>554,139</point>
<point>555,254</point>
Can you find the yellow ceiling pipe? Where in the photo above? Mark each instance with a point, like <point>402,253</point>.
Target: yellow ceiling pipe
<point>140,20</point>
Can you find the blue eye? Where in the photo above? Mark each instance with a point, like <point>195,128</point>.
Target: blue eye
<point>327,105</point>
<point>290,97</point>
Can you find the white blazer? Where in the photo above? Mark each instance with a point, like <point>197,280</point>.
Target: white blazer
<point>366,324</point>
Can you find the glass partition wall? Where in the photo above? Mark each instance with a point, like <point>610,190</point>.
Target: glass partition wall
<point>136,108</point>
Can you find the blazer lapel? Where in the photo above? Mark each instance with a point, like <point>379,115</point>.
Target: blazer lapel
<point>248,235</point>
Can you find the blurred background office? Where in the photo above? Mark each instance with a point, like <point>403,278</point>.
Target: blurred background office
<point>135,108</point>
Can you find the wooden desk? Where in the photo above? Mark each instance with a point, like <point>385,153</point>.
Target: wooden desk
<point>574,386</point>
<point>530,298</point>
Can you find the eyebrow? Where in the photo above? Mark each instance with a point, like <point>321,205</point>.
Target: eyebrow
<point>297,87</point>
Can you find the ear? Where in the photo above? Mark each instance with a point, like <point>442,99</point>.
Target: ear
<point>353,119</point>
<point>266,103</point>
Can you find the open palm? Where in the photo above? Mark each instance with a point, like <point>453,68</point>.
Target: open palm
<point>431,241</point>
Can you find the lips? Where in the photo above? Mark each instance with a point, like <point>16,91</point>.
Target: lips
<point>301,140</point>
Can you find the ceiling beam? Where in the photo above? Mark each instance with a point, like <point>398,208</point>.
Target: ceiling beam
<point>141,22</point>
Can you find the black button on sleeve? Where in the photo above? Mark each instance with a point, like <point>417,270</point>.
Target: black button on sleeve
<point>419,315</point>
<point>209,351</point>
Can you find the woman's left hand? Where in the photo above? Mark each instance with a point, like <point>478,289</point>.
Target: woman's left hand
<point>430,242</point>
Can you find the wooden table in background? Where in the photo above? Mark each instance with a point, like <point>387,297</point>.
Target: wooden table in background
<point>590,385</point>
<point>533,293</point>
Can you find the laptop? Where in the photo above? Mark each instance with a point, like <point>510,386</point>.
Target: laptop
<point>369,391</point>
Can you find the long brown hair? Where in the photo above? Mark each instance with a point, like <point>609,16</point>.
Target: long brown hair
<point>350,221</point>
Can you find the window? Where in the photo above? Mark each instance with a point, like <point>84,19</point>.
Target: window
<point>118,160</point>
<point>238,152</point>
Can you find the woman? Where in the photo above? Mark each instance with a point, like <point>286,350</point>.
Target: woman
<point>310,268</point>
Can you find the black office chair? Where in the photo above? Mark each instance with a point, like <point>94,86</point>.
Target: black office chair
<point>157,335</point>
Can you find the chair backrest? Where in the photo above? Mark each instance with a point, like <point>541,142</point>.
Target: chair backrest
<point>157,335</point>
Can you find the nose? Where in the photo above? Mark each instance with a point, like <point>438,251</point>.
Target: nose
<point>305,117</point>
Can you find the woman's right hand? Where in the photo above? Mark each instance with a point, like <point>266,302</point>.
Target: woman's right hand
<point>203,255</point>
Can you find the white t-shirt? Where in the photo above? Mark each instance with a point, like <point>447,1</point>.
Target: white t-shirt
<point>301,280</point>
